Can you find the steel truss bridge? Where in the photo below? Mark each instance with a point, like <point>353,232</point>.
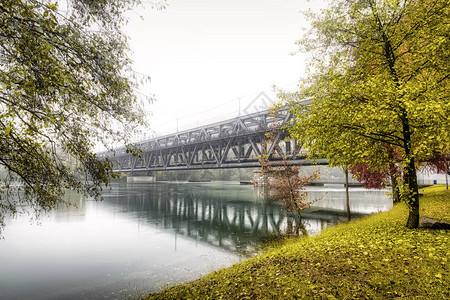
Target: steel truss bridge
<point>234,143</point>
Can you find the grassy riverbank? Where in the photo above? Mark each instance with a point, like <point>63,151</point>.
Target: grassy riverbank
<point>375,257</point>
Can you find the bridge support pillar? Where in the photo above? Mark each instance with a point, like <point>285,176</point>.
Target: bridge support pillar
<point>141,179</point>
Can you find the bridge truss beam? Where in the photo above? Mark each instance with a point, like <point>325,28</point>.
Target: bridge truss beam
<point>234,143</point>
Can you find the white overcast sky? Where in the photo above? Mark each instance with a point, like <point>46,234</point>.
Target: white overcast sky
<point>203,55</point>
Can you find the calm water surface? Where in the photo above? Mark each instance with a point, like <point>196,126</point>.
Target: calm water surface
<point>143,237</point>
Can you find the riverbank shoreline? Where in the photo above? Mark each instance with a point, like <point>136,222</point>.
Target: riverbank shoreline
<point>375,257</point>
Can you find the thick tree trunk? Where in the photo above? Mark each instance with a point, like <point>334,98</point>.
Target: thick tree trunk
<point>347,197</point>
<point>410,177</point>
<point>413,197</point>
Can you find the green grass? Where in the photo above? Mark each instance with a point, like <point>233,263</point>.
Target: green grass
<point>375,257</point>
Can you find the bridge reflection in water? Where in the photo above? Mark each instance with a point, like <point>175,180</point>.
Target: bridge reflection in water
<point>233,217</point>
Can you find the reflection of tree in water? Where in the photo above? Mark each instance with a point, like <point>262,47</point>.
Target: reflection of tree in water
<point>235,219</point>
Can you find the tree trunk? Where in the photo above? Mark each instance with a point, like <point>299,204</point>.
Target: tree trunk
<point>413,197</point>
<point>446,172</point>
<point>289,228</point>
<point>347,197</point>
<point>300,227</point>
<point>394,184</point>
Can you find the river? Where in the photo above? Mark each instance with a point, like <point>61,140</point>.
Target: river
<point>143,237</point>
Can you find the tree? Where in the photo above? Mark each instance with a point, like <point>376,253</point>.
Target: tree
<point>370,180</point>
<point>438,163</point>
<point>65,85</point>
<point>378,179</point>
<point>379,76</point>
<point>283,181</point>
<point>287,187</point>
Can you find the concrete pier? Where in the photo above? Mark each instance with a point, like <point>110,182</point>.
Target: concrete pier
<point>141,179</point>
